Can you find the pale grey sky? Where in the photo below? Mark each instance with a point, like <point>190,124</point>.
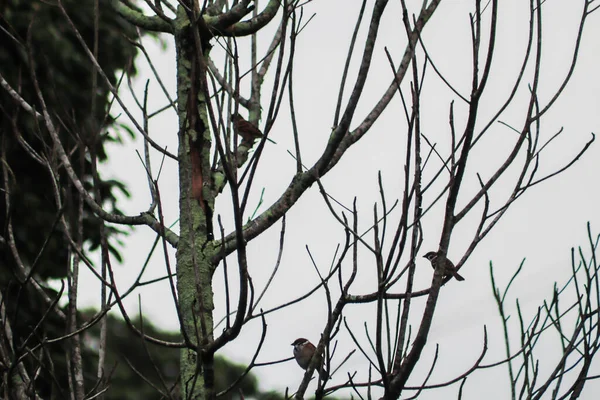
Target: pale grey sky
<point>543,225</point>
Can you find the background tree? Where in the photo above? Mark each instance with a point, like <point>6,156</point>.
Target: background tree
<point>445,183</point>
<point>32,241</point>
<point>149,371</point>
<point>38,42</point>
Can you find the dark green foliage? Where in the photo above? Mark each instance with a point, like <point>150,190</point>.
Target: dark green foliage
<point>64,73</point>
<point>273,395</point>
<point>226,373</point>
<point>37,42</point>
<point>129,358</point>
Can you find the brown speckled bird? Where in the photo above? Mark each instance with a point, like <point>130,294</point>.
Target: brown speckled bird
<point>435,259</point>
<point>245,129</point>
<point>303,353</point>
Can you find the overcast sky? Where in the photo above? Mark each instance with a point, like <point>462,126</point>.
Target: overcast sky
<point>542,226</point>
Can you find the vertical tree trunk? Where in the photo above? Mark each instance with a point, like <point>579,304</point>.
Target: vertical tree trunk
<point>194,268</point>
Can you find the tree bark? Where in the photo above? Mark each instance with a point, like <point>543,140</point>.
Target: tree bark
<point>194,251</point>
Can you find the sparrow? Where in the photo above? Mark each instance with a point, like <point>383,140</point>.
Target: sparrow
<point>245,129</point>
<point>303,353</point>
<point>435,259</point>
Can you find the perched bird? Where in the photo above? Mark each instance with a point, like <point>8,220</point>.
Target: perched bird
<point>245,129</point>
<point>303,353</point>
<point>435,260</point>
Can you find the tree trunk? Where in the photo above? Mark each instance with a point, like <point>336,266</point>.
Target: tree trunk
<point>194,268</point>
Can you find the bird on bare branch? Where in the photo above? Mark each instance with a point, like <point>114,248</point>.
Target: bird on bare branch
<point>245,129</point>
<point>304,351</point>
<point>436,262</point>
